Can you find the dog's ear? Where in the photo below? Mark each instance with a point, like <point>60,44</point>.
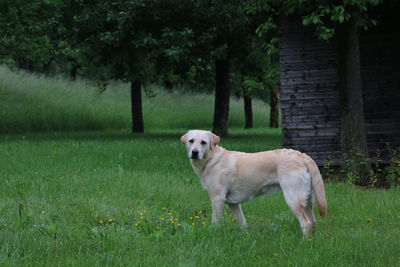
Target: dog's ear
<point>184,138</point>
<point>214,140</point>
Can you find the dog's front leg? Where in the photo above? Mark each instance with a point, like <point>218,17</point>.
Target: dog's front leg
<point>217,208</point>
<point>238,213</point>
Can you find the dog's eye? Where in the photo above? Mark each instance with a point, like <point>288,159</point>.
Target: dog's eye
<point>203,143</point>
<point>191,141</point>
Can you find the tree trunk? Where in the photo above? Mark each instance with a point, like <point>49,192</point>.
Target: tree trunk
<point>74,68</point>
<point>274,109</point>
<point>25,64</point>
<point>136,105</point>
<point>222,94</point>
<point>46,66</point>
<point>168,85</point>
<point>74,71</point>
<point>353,131</point>
<point>248,109</point>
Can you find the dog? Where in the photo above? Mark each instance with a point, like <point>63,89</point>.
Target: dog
<point>235,177</point>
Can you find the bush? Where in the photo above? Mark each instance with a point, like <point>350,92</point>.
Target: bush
<point>383,173</point>
<point>393,170</point>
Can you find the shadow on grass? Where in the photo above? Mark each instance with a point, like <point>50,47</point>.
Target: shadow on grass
<point>174,135</point>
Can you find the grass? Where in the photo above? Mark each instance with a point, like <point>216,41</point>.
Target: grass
<point>112,198</point>
<point>38,103</point>
<point>57,187</point>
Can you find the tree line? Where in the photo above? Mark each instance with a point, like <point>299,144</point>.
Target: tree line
<point>199,44</point>
<point>230,46</point>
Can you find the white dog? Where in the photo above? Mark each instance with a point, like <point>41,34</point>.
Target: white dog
<point>235,177</point>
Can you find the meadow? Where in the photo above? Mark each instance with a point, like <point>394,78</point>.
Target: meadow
<point>37,103</point>
<point>102,196</point>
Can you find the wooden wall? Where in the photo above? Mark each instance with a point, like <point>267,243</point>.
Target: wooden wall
<point>380,76</point>
<point>310,97</point>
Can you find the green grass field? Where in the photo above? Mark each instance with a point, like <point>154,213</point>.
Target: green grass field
<point>32,103</point>
<point>112,198</point>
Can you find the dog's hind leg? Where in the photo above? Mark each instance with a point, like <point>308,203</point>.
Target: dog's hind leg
<point>238,213</point>
<point>310,213</point>
<point>296,188</point>
<point>299,211</point>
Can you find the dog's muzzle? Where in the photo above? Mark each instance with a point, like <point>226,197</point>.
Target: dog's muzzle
<point>194,154</point>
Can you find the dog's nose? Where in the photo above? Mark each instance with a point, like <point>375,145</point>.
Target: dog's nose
<point>195,154</point>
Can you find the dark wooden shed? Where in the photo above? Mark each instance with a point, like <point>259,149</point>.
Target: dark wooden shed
<point>310,104</point>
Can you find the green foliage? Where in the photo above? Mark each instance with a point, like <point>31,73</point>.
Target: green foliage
<point>147,40</point>
<point>393,170</point>
<point>351,163</point>
<point>327,14</point>
<point>40,36</point>
<point>252,85</point>
<point>384,173</point>
<point>30,33</point>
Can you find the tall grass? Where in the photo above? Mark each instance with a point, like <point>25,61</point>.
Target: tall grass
<point>36,103</point>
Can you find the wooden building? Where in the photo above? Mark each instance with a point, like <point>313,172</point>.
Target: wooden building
<point>310,104</point>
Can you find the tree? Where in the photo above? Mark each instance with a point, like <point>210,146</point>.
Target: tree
<point>41,34</point>
<point>274,111</point>
<point>120,36</point>
<point>203,36</point>
<point>222,95</point>
<point>72,48</point>
<point>248,109</point>
<point>353,130</point>
<point>228,31</point>
<point>30,33</point>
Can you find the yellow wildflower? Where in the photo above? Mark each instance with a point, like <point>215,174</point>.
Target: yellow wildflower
<point>200,212</point>
<point>197,217</point>
<point>190,218</point>
<point>101,221</point>
<point>162,219</point>
<point>110,220</point>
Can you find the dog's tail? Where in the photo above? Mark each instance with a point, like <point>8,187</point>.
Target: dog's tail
<point>317,185</point>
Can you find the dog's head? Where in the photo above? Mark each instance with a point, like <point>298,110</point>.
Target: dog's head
<point>198,143</point>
